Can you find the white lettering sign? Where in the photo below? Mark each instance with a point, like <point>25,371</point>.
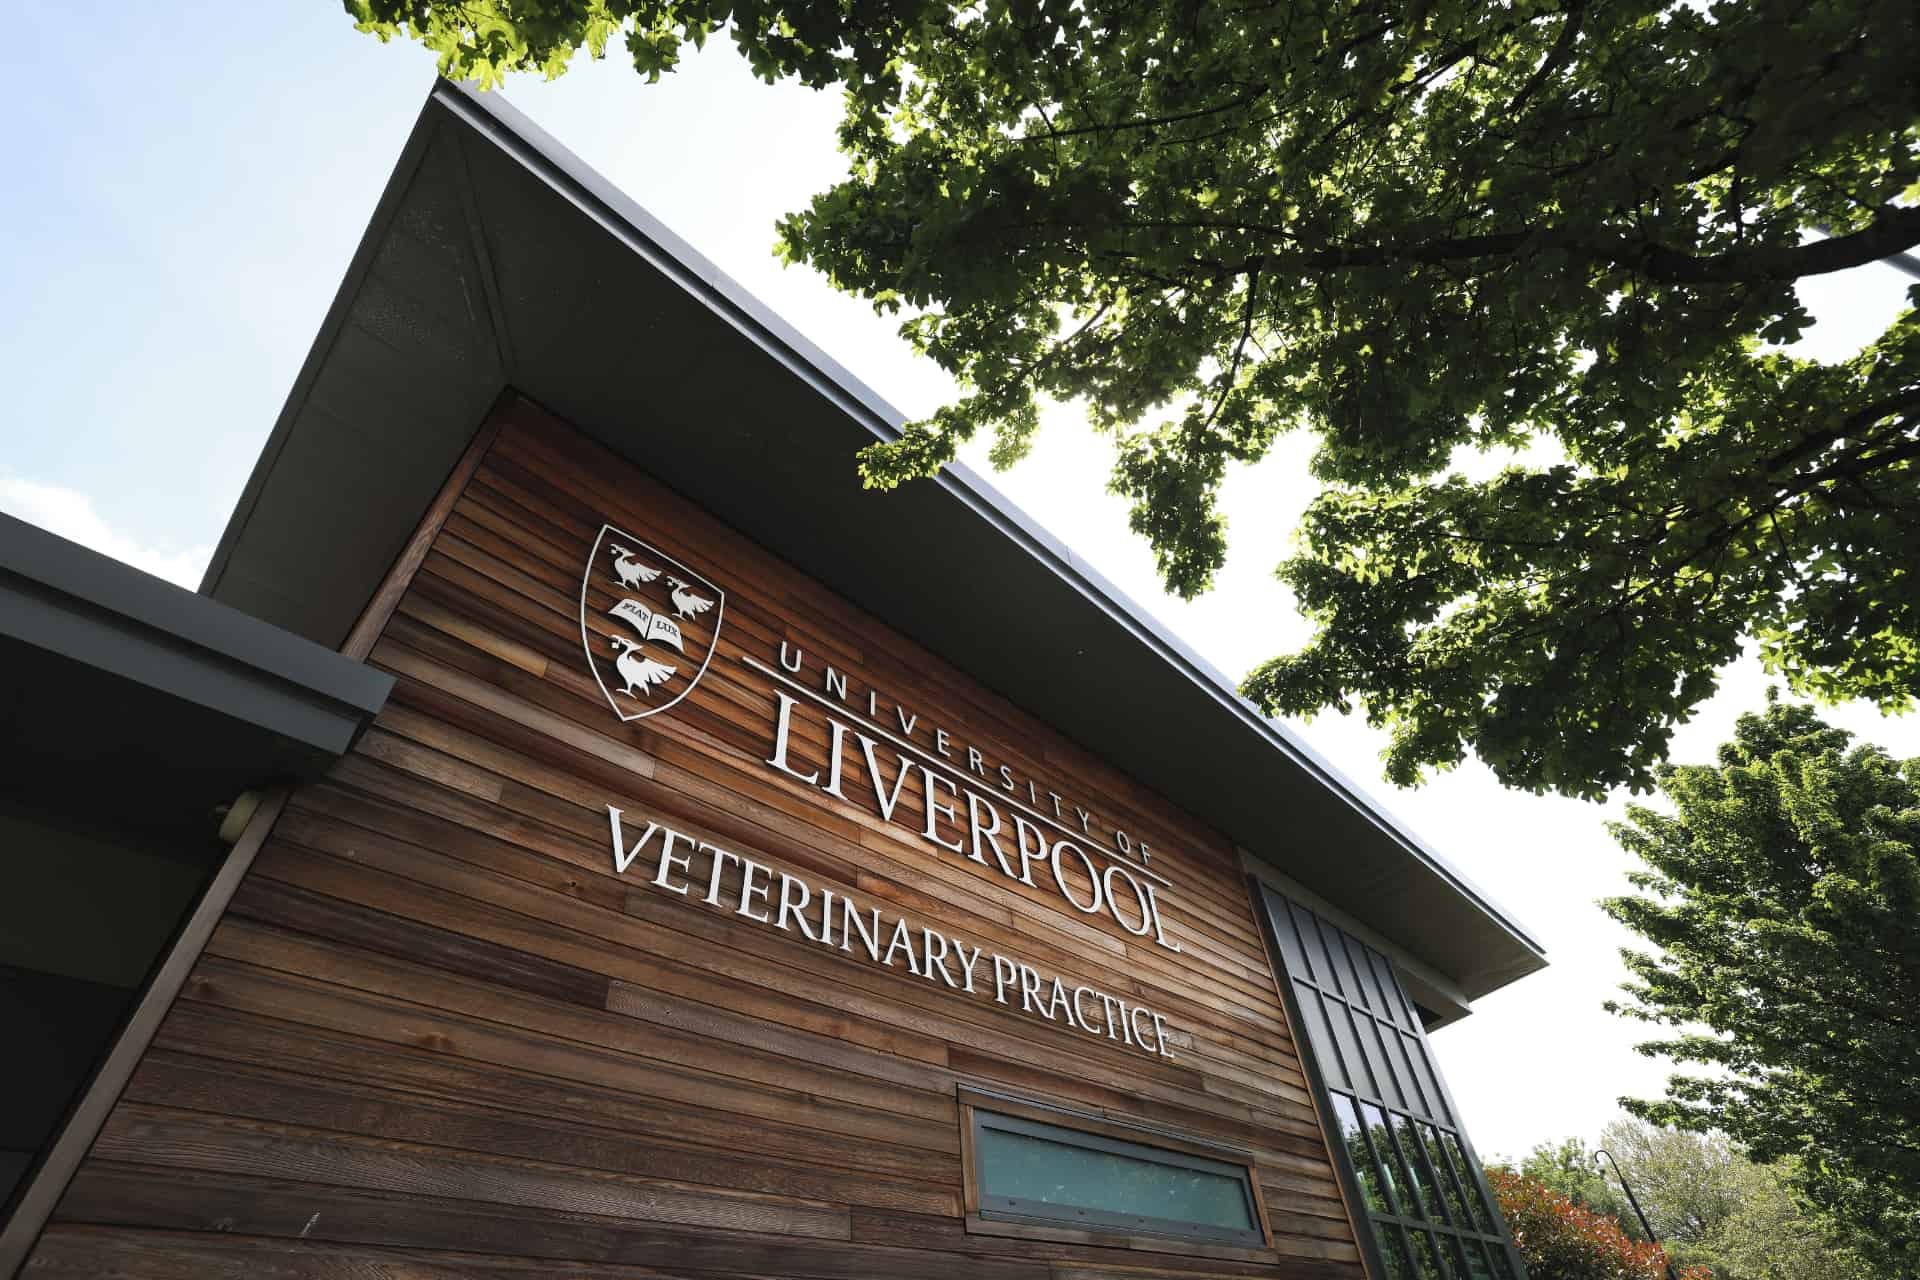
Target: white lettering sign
<point>788,902</point>
<point>966,816</point>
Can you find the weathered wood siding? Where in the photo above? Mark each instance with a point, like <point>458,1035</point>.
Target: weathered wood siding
<point>437,1035</point>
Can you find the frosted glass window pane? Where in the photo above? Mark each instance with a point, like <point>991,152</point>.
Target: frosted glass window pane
<point>1023,1167</point>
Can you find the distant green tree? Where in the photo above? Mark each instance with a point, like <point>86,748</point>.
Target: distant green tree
<point>1711,1206</point>
<point>1418,228</point>
<point>1771,1235</point>
<point>1689,1184</point>
<point>1567,1167</point>
<point>1782,893</point>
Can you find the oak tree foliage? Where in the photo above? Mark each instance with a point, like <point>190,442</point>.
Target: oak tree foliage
<point>1780,895</point>
<point>1565,229</point>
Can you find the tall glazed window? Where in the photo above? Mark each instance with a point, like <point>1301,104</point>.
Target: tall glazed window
<point>1406,1160</point>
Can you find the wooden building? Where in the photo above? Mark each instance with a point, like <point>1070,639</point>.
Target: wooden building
<point>743,875</point>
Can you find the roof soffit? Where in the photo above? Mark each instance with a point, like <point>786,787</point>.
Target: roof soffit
<point>497,259</point>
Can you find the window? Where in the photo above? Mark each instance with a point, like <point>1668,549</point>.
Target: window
<point>1405,1158</point>
<point>1064,1172</point>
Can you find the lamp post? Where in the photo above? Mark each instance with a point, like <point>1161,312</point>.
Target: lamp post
<point>1638,1211</point>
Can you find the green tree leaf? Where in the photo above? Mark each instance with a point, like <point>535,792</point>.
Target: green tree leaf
<point>1779,899</point>
<point>1416,230</point>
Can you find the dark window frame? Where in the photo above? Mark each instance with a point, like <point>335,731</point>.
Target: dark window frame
<point>1389,1228</point>
<point>981,1111</point>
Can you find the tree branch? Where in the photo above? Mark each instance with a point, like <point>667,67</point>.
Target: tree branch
<point>1240,348</point>
<point>1847,426</point>
<point>1148,122</point>
<point>1897,230</point>
<point>1557,57</point>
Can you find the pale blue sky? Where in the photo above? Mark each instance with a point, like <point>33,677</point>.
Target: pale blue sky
<point>187,183</point>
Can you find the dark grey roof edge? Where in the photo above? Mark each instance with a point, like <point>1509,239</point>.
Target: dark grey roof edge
<point>497,120</point>
<point>506,127</point>
<point>151,611</point>
<point>392,195</point>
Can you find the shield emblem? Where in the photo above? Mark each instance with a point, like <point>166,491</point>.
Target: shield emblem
<point>648,622</point>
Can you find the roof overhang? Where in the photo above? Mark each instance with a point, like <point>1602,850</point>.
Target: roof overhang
<point>127,695</point>
<point>496,260</point>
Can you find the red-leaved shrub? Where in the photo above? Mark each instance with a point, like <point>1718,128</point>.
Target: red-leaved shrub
<point>1561,1240</point>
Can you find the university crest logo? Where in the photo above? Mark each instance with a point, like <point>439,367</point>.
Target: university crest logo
<point>648,622</point>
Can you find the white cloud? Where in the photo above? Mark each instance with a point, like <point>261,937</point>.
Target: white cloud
<point>71,514</point>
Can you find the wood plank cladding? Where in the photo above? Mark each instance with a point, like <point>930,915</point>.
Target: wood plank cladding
<point>437,1034</point>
